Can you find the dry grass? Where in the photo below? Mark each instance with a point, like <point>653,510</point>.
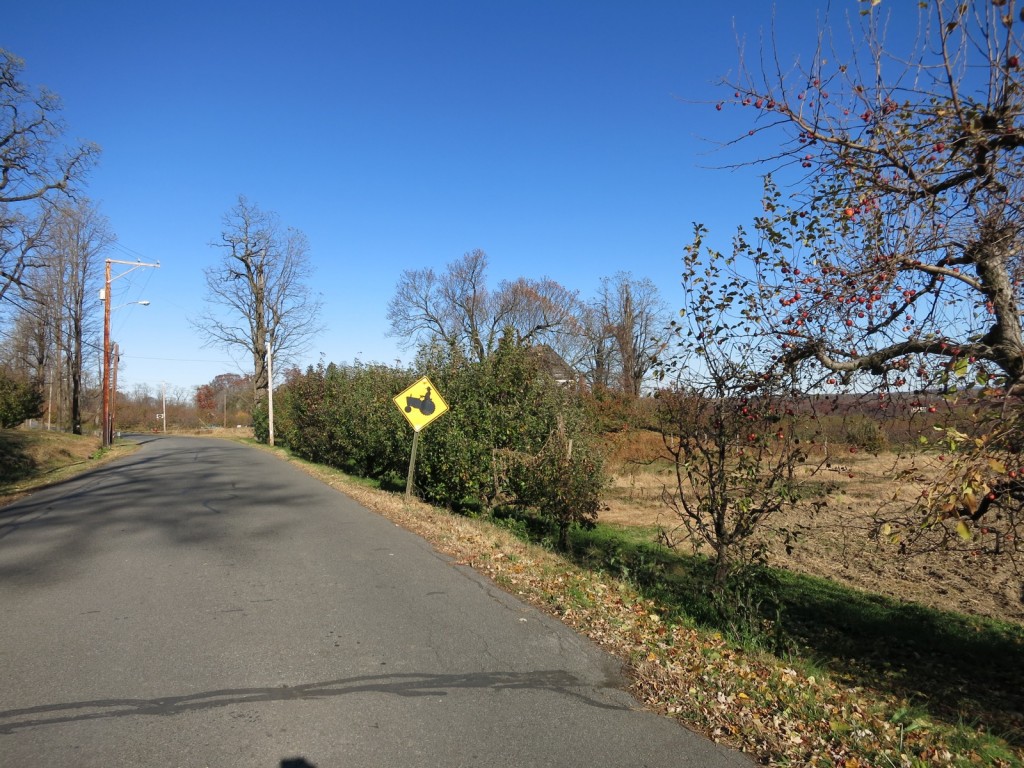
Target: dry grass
<point>30,460</point>
<point>838,541</point>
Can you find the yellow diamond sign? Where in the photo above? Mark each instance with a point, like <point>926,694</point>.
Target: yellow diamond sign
<point>421,403</point>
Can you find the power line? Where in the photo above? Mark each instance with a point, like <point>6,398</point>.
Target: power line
<point>177,359</point>
<point>125,249</point>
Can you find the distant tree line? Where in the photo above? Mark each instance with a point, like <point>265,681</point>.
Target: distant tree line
<point>611,340</point>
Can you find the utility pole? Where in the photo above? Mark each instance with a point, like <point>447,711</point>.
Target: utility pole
<point>267,316</point>
<point>115,362</point>
<point>106,356</point>
<point>163,404</point>
<point>108,422</point>
<point>270,388</point>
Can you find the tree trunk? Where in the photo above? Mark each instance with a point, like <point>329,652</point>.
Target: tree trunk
<point>75,365</point>
<point>723,566</point>
<point>563,535</point>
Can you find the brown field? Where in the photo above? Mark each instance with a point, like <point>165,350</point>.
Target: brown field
<point>838,541</point>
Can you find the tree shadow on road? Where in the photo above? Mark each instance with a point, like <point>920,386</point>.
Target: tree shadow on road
<point>404,685</point>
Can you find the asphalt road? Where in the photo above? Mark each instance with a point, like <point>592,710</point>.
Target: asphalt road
<point>201,603</point>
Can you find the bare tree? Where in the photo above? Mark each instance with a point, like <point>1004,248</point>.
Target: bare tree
<point>23,234</point>
<point>623,329</point>
<point>538,310</point>
<point>593,354</point>
<point>52,324</point>
<point>635,319</point>
<point>29,343</point>
<point>257,296</point>
<point>79,236</point>
<point>456,309</point>
<point>35,166</point>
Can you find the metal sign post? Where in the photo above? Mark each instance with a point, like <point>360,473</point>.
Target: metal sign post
<point>420,404</point>
<point>412,466</point>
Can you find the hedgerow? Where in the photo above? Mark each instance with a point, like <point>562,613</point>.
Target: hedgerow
<point>513,439</point>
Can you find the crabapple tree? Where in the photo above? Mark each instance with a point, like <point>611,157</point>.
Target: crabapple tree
<point>733,424</point>
<point>900,260</point>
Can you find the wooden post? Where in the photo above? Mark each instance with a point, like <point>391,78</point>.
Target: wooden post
<point>412,465</point>
<point>115,361</point>
<point>106,355</point>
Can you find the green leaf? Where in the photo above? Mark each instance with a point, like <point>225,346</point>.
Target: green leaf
<point>963,531</point>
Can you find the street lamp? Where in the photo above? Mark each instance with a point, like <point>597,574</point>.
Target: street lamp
<point>108,423</point>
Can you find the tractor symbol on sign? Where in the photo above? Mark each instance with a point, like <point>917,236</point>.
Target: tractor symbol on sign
<point>420,403</point>
<point>423,404</point>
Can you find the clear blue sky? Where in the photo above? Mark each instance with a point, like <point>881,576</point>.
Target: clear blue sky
<point>560,137</point>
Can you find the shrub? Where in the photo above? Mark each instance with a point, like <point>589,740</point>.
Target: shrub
<point>344,417</point>
<point>504,441</point>
<point>865,432</point>
<point>504,412</point>
<point>19,400</point>
<point>562,482</point>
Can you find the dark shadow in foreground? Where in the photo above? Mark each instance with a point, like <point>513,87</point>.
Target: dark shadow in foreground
<point>404,685</point>
<point>957,668</point>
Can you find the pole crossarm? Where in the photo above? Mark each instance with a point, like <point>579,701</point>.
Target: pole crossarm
<point>133,264</point>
